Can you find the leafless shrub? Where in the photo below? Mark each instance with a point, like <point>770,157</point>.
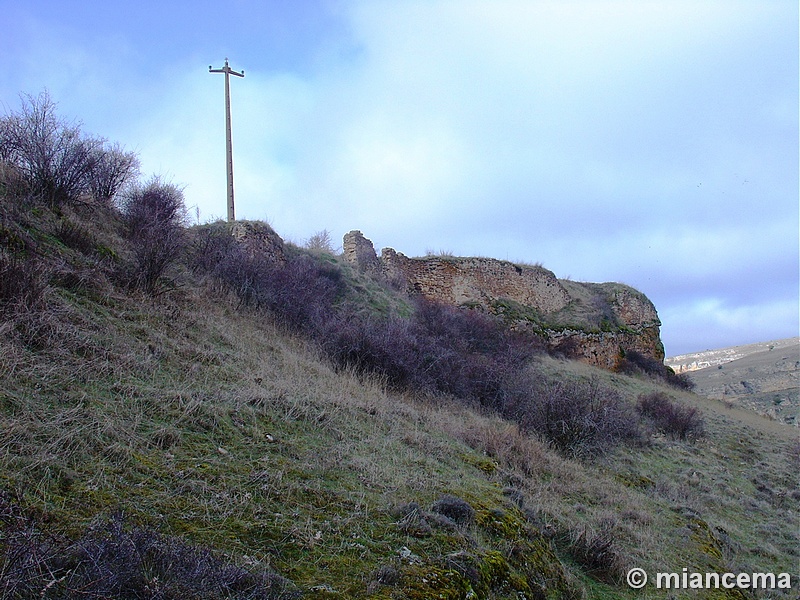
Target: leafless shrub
<point>215,254</point>
<point>580,418</point>
<point>385,347</point>
<point>670,417</point>
<point>111,168</point>
<point>596,552</point>
<point>439,349</point>
<point>302,293</point>
<point>211,246</point>
<point>59,163</point>
<point>110,562</point>
<point>154,215</point>
<point>22,285</point>
<point>320,243</point>
<point>50,152</point>
<point>634,362</point>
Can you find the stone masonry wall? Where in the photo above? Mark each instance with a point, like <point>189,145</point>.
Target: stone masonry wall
<point>604,349</point>
<point>259,239</point>
<point>360,252</point>
<point>480,281</point>
<point>459,281</point>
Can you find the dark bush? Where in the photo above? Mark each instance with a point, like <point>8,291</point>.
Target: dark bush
<point>682,381</point>
<point>210,249</point>
<point>50,152</point>
<point>439,349</point>
<point>567,347</point>
<point>634,362</point>
<point>670,417</point>
<point>580,418</point>
<point>59,163</point>
<point>154,216</point>
<point>472,354</point>
<point>302,293</point>
<point>454,508</point>
<point>110,169</point>
<point>597,553</point>
<point>384,347</point>
<point>214,252</point>
<point>21,284</point>
<point>110,562</point>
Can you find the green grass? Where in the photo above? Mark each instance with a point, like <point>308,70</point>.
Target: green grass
<point>209,423</point>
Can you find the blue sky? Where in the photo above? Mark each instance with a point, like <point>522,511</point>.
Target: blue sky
<point>652,143</point>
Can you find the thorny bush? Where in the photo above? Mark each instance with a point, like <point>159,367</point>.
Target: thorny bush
<point>670,417</point>
<point>154,215</point>
<point>109,561</point>
<point>438,349</point>
<point>635,362</point>
<point>580,418</point>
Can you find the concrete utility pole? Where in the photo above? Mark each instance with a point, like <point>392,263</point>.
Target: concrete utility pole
<point>229,145</point>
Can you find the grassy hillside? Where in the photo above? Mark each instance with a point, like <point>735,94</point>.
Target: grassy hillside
<point>184,432</point>
<point>202,420</point>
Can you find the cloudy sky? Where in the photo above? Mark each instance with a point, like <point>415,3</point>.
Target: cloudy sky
<point>653,143</point>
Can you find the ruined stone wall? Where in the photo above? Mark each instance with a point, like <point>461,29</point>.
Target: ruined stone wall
<point>459,281</point>
<point>604,349</point>
<point>597,321</point>
<point>633,308</point>
<point>360,252</point>
<point>259,239</point>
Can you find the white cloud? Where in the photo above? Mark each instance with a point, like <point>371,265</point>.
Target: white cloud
<point>690,327</point>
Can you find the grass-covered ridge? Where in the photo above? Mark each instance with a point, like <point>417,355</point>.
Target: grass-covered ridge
<point>194,434</point>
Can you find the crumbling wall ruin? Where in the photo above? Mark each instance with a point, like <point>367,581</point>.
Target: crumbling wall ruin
<point>460,281</point>
<point>259,239</point>
<point>625,318</point>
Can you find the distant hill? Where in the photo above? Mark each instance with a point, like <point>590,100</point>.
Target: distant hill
<point>764,377</point>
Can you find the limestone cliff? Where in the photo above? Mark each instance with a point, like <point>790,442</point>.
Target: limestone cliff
<point>595,323</point>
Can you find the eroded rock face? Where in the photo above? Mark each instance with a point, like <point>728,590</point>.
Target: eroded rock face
<point>594,323</point>
<point>259,239</point>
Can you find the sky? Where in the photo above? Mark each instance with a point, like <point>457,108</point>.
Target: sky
<point>652,143</point>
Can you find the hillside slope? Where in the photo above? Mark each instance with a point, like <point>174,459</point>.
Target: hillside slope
<point>764,377</point>
<point>196,422</point>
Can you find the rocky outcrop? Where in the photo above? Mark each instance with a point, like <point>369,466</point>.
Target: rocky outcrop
<point>595,323</point>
